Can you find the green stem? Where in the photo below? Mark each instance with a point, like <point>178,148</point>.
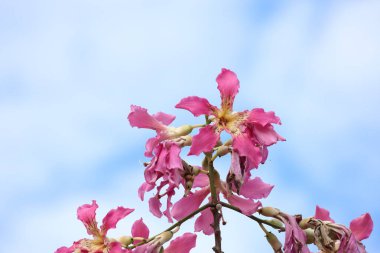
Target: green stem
<point>258,220</point>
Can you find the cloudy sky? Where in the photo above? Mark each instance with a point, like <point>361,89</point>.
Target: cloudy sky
<point>69,70</point>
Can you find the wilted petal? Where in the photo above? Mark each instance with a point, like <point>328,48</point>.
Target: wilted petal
<point>139,117</point>
<point>204,141</point>
<point>113,217</point>
<point>145,187</point>
<point>204,222</point>
<point>228,85</point>
<point>182,244</point>
<point>155,206</point>
<point>150,144</point>
<point>255,188</point>
<point>196,105</point>
<point>362,226</point>
<point>259,116</point>
<point>201,180</point>
<point>173,159</point>
<point>245,147</point>
<point>164,118</point>
<point>188,204</point>
<point>139,229</point>
<point>247,206</point>
<point>266,135</point>
<point>322,214</point>
<point>86,213</point>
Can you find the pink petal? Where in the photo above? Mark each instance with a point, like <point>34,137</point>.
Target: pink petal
<point>164,118</point>
<point>322,214</point>
<point>86,213</point>
<point>201,180</point>
<point>204,222</point>
<point>139,117</point>
<point>150,144</point>
<point>228,85</point>
<point>266,135</point>
<point>196,105</point>
<point>64,250</point>
<point>255,189</point>
<point>204,141</point>
<point>113,217</point>
<point>139,229</point>
<point>154,207</point>
<point>188,204</point>
<point>362,226</point>
<point>259,116</point>
<point>245,147</point>
<point>173,159</point>
<point>115,247</point>
<point>182,244</point>
<point>247,206</point>
<point>145,187</point>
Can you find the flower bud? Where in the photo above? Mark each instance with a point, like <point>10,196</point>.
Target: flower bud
<point>304,223</point>
<point>274,242</point>
<point>222,150</point>
<point>276,223</point>
<point>125,240</point>
<point>309,235</point>
<point>164,237</point>
<point>269,211</point>
<point>182,130</point>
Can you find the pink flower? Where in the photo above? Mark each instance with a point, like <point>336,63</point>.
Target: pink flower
<point>338,238</point>
<point>100,243</point>
<point>251,131</point>
<point>254,189</point>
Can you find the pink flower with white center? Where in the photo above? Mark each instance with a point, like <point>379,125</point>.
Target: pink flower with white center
<point>100,242</point>
<point>139,117</point>
<point>331,237</point>
<point>251,131</point>
<point>253,189</point>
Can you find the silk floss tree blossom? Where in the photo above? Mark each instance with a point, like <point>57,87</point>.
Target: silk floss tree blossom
<point>202,191</point>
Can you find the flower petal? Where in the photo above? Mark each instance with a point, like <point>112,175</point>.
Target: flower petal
<point>228,85</point>
<point>164,118</point>
<point>150,144</point>
<point>87,213</point>
<point>266,135</point>
<point>204,141</point>
<point>245,147</point>
<point>204,222</point>
<point>259,116</point>
<point>139,117</point>
<point>145,187</point>
<point>64,250</point>
<point>188,204</point>
<point>201,180</point>
<point>255,188</point>
<point>196,105</point>
<point>362,226</point>
<point>154,207</point>
<point>139,229</point>
<point>113,217</point>
<point>322,214</point>
<point>115,247</point>
<point>247,206</point>
<point>182,244</point>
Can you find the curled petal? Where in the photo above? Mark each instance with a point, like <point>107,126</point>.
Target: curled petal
<point>245,147</point>
<point>139,229</point>
<point>139,117</point>
<point>228,85</point>
<point>247,206</point>
<point>266,135</point>
<point>145,187</point>
<point>204,141</point>
<point>259,116</point>
<point>362,226</point>
<point>204,222</point>
<point>196,105</point>
<point>113,217</point>
<point>86,213</point>
<point>164,118</point>
<point>255,188</point>
<point>188,204</point>
<point>150,144</point>
<point>322,214</point>
<point>154,207</point>
<point>182,244</point>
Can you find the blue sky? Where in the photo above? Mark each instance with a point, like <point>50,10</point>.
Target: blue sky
<point>69,71</point>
